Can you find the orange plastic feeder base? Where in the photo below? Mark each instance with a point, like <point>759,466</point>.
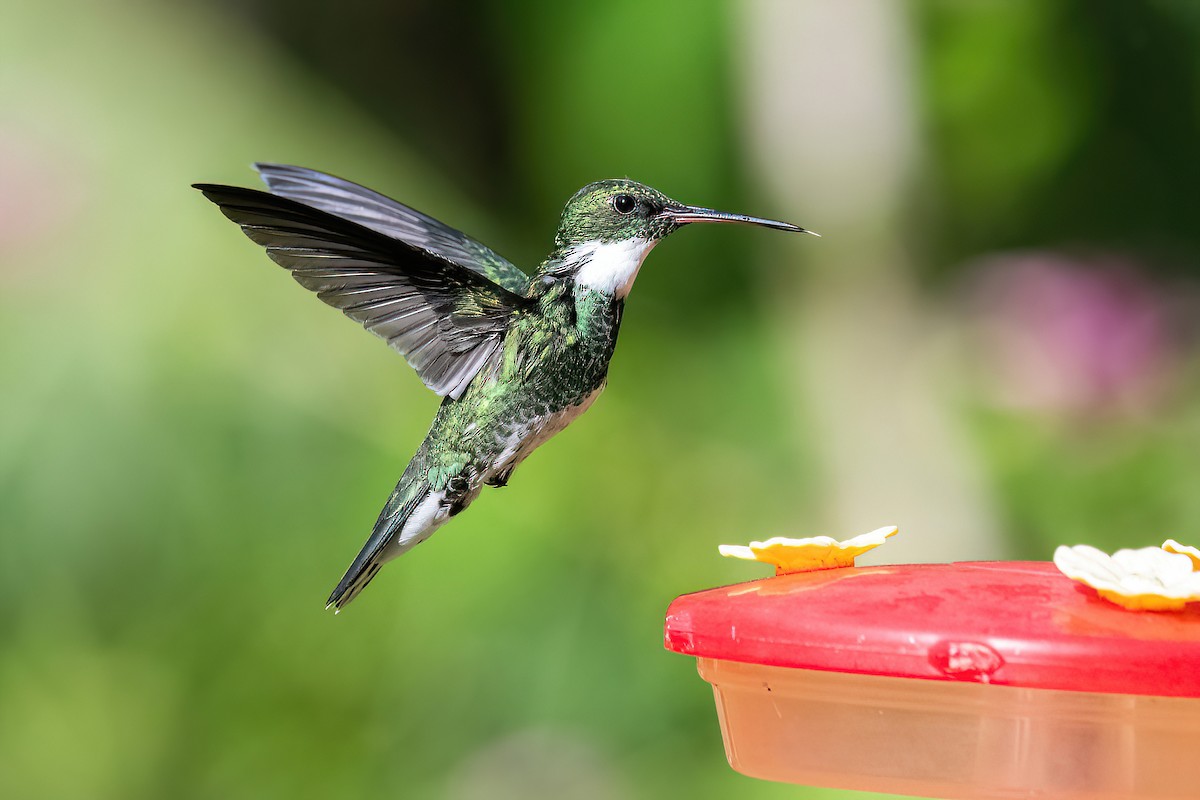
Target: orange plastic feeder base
<point>952,740</point>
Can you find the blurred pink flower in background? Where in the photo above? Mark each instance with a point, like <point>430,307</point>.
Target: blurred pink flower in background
<point>1064,334</point>
<point>41,194</point>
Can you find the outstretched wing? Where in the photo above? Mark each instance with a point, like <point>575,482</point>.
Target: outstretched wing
<point>372,210</point>
<point>445,319</point>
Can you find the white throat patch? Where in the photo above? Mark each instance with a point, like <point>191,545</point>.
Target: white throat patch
<point>611,266</point>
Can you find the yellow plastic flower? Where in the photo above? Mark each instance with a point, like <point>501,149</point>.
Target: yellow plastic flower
<point>1147,579</point>
<point>1172,546</point>
<point>805,555</point>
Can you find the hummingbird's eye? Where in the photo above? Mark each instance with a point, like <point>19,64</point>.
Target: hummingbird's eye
<point>624,203</point>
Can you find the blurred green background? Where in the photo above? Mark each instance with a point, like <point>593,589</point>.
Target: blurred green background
<point>993,346</point>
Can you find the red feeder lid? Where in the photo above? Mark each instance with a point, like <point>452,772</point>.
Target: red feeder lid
<point>1008,623</point>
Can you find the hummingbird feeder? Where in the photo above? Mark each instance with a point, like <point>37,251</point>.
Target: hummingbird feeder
<point>981,680</point>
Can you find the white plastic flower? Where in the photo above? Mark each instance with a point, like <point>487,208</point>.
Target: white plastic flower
<point>804,555</point>
<point>1147,579</point>
<point>1172,546</point>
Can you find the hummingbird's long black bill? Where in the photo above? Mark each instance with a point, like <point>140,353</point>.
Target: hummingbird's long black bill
<point>685,214</point>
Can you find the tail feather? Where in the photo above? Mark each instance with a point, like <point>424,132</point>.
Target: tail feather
<point>351,584</point>
<point>388,540</point>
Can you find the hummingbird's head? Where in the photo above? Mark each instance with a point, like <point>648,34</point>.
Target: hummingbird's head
<point>614,211</point>
<point>609,226</point>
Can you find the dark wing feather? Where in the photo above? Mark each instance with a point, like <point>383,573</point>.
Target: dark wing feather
<point>445,319</point>
<point>372,210</point>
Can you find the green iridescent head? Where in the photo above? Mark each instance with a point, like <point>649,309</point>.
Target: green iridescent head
<point>614,210</point>
<point>621,210</point>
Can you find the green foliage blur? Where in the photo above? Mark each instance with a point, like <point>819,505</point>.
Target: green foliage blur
<point>192,449</point>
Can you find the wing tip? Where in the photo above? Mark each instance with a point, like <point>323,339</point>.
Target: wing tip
<point>271,172</point>
<point>211,189</point>
<point>272,166</point>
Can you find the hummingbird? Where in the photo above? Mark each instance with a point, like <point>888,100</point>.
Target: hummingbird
<point>515,357</point>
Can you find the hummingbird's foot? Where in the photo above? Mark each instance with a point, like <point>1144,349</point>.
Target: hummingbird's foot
<point>500,479</point>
